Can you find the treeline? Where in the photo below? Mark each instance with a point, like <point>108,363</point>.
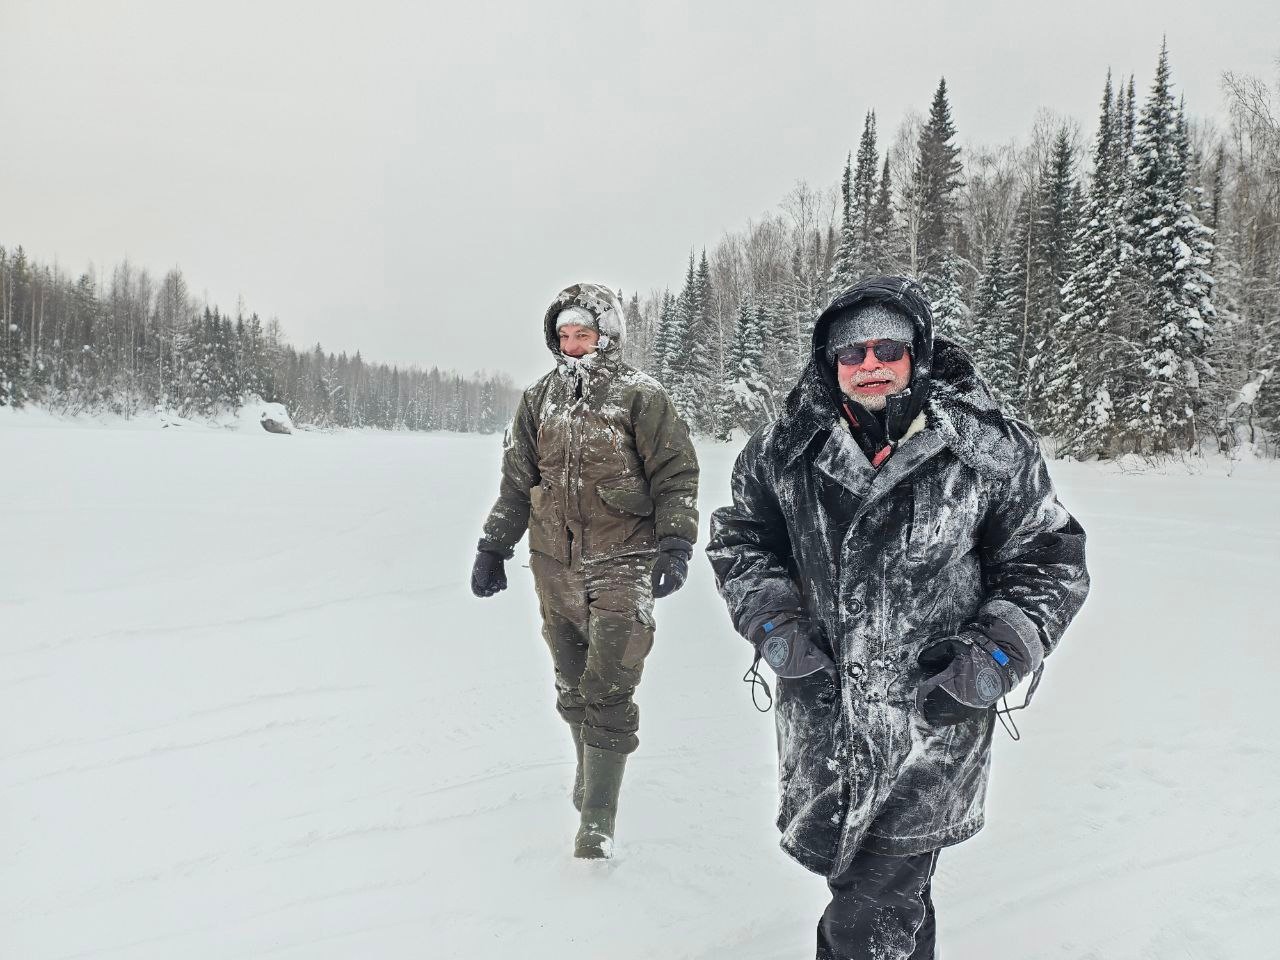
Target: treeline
<point>1120,292</point>
<point>137,345</point>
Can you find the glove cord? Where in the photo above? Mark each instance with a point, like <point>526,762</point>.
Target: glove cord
<point>752,676</point>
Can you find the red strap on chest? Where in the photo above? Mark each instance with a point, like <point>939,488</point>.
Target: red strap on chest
<point>883,453</point>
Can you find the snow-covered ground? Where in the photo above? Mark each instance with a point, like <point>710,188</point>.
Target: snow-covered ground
<point>249,708</point>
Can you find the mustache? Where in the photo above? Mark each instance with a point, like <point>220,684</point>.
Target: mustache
<point>864,378</point>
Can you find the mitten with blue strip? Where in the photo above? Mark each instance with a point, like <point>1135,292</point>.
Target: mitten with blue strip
<point>967,674</point>
<point>789,643</point>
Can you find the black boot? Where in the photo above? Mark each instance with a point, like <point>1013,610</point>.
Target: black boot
<point>576,730</point>
<point>602,773</point>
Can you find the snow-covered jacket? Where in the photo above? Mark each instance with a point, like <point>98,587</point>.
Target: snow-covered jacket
<point>961,521</point>
<point>597,463</point>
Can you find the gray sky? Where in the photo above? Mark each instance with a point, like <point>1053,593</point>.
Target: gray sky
<point>417,180</point>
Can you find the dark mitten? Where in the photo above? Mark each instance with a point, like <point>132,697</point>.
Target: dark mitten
<point>968,674</point>
<point>789,643</point>
<point>488,575</point>
<point>671,566</point>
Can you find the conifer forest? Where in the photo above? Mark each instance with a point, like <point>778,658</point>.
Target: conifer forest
<point>1118,286</point>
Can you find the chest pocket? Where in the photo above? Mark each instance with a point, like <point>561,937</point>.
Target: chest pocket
<point>946,516</point>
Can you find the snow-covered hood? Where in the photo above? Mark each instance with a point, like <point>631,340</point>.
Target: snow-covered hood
<point>906,296</point>
<point>945,386</point>
<point>603,305</point>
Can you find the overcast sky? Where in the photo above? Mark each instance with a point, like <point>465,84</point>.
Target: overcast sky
<point>418,179</point>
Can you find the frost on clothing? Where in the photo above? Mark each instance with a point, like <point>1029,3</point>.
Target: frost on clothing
<point>960,523</point>
<point>597,621</point>
<point>597,463</point>
<point>600,470</point>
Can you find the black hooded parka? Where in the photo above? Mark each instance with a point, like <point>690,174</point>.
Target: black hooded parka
<point>960,522</point>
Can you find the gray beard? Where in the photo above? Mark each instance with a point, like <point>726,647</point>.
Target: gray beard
<point>872,403</point>
<point>875,404</point>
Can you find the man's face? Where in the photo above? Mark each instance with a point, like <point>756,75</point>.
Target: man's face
<point>576,341</point>
<point>872,380</point>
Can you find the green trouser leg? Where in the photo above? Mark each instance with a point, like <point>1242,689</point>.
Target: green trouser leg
<point>602,774</point>
<point>576,730</point>
<point>598,624</point>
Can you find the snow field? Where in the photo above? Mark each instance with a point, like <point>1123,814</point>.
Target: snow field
<point>249,708</point>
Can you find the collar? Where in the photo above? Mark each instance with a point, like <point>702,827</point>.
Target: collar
<point>961,411</point>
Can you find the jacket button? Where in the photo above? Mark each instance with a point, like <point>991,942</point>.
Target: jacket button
<point>854,670</point>
<point>856,607</point>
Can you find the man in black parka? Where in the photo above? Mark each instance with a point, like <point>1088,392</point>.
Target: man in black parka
<point>896,552</point>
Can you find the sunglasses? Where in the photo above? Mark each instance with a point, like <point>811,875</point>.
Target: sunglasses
<point>886,351</point>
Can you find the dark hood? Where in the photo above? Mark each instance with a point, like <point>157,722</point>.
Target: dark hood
<point>945,386</point>
<point>906,296</point>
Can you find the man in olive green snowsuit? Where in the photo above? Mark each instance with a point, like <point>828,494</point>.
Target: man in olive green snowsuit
<point>598,466</point>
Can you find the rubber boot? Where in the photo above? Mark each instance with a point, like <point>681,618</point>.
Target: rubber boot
<point>602,772</point>
<point>576,730</point>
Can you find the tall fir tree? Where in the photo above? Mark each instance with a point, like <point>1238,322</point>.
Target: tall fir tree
<point>843,266</point>
<point>1084,371</point>
<point>663,345</point>
<point>1173,250</point>
<point>937,180</point>
<point>704,373</point>
<point>882,232</point>
<point>1056,227</point>
<point>991,341</point>
<point>748,401</point>
<point>863,201</point>
<point>684,320</point>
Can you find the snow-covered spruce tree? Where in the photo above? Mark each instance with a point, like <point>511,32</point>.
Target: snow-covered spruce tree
<point>704,373</point>
<point>937,178</point>
<point>677,343</point>
<point>782,358</point>
<point>1057,223</point>
<point>1172,250</point>
<point>748,402</point>
<point>1017,297</point>
<point>951,316</point>
<point>660,362</point>
<point>883,240</point>
<point>488,414</point>
<point>1128,120</point>
<point>991,339</point>
<point>844,269</point>
<point>1078,404</point>
<point>864,202</point>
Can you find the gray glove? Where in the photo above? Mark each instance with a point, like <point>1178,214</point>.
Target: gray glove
<point>789,643</point>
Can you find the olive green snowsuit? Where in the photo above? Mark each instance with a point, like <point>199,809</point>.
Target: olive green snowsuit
<point>599,467</point>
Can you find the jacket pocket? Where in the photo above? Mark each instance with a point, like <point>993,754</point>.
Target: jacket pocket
<point>546,525</point>
<point>627,500</point>
<point>945,513</point>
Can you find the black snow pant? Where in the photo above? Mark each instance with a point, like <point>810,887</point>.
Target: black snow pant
<point>597,619</point>
<point>881,909</point>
